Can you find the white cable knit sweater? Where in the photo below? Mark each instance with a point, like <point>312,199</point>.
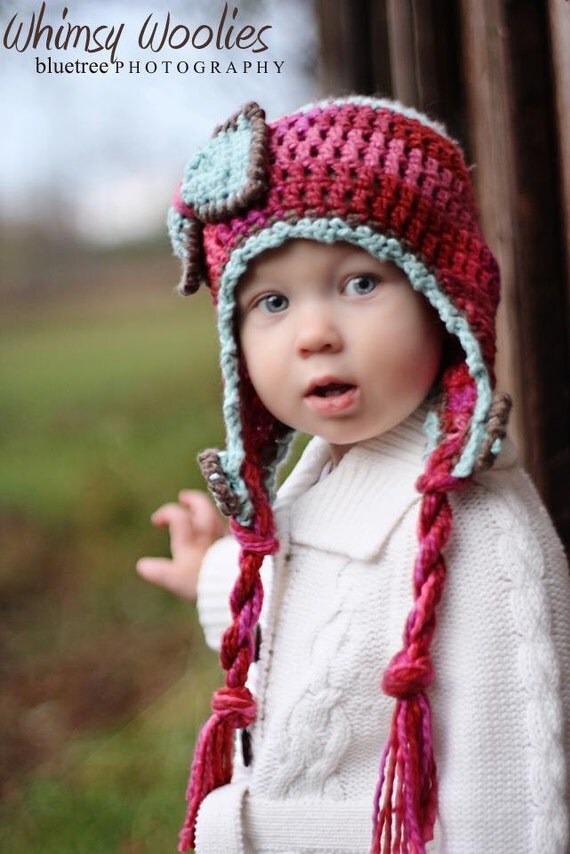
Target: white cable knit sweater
<point>340,590</point>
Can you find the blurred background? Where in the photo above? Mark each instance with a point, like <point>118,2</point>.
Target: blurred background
<point>109,382</point>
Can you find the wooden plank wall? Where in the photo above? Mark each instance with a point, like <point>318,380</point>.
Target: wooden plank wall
<point>497,72</point>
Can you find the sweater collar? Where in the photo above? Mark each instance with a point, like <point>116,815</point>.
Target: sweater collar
<point>353,509</point>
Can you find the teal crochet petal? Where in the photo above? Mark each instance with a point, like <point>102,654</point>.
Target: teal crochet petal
<point>230,171</point>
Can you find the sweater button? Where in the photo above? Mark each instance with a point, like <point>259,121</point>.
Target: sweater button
<point>246,751</point>
<point>257,642</point>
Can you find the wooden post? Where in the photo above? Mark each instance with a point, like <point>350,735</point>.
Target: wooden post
<point>492,141</point>
<point>512,128</point>
<point>559,17</point>
<point>346,28</point>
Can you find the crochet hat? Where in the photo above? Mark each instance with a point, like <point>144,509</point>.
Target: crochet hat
<point>391,181</point>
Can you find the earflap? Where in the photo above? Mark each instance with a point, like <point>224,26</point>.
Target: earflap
<point>212,468</point>
<point>265,442</point>
<point>451,426</point>
<point>497,421</point>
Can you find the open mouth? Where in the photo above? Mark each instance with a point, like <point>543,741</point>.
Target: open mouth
<point>328,397</point>
<point>331,389</point>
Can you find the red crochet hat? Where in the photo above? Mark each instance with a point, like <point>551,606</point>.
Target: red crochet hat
<point>391,181</point>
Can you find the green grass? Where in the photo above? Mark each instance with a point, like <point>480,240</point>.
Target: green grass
<point>134,394</point>
<point>119,794</point>
<point>104,678</point>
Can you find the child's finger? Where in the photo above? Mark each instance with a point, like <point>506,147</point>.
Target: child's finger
<point>205,516</point>
<point>168,514</point>
<point>166,573</point>
<point>195,500</point>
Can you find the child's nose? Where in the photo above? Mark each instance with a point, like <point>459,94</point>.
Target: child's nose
<point>318,331</point>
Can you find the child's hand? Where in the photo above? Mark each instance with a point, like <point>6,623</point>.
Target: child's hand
<point>194,525</point>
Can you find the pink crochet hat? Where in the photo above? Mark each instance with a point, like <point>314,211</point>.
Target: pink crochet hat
<point>391,181</point>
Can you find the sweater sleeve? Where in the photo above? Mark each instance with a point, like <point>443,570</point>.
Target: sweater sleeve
<point>217,576</point>
<point>502,701</point>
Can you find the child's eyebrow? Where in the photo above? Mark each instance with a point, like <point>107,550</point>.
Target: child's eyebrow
<point>246,286</point>
<point>362,259</point>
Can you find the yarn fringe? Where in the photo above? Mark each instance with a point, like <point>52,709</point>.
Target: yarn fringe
<point>211,768</point>
<point>233,708</point>
<point>406,797</point>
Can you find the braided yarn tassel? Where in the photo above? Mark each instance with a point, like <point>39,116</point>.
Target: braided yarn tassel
<point>212,764</point>
<point>405,803</point>
<point>233,706</point>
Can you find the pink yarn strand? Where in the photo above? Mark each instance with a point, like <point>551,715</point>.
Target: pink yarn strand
<point>405,820</point>
<point>233,706</point>
<point>406,796</point>
<point>382,831</point>
<point>207,772</point>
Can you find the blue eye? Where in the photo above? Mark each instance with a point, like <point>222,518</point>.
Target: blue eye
<point>273,303</point>
<point>360,285</point>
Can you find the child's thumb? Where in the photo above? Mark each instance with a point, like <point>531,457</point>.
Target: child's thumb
<point>165,573</point>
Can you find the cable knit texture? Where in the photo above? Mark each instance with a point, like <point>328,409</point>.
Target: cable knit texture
<point>340,592</point>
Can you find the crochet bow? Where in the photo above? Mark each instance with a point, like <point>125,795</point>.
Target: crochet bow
<point>222,179</point>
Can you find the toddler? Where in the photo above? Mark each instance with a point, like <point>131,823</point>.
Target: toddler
<point>408,688</point>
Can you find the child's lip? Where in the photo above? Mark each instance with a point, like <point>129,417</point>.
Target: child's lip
<point>340,401</point>
<point>326,381</point>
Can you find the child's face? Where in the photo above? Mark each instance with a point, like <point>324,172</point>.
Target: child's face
<point>337,344</point>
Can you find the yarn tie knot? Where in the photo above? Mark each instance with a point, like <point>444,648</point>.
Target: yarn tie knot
<point>253,541</point>
<point>405,678</point>
<point>235,704</point>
